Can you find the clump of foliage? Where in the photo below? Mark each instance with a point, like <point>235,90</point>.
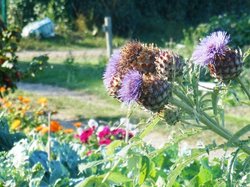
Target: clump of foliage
<point>10,71</point>
<point>237,25</point>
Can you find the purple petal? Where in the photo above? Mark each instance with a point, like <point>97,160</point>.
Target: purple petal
<point>131,87</point>
<point>111,69</point>
<point>209,47</point>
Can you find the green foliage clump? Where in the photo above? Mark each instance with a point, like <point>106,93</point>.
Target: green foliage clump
<point>237,26</point>
<point>151,21</point>
<point>10,71</point>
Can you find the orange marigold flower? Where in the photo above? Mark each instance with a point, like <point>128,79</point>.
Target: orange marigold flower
<point>55,126</point>
<point>42,101</point>
<point>44,130</point>
<point>77,124</point>
<point>68,131</point>
<point>40,127</point>
<point>15,124</point>
<point>2,89</point>
<point>24,100</point>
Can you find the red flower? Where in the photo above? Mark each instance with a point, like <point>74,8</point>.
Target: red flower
<point>85,135</point>
<point>120,134</point>
<point>104,141</point>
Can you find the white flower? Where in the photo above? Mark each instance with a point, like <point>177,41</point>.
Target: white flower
<point>92,123</point>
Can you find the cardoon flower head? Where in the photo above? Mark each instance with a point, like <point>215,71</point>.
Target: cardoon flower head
<point>131,87</point>
<point>210,47</point>
<point>132,76</point>
<point>111,69</point>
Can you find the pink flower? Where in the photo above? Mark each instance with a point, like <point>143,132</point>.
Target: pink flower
<point>89,153</point>
<point>104,141</point>
<point>85,135</point>
<point>105,133</point>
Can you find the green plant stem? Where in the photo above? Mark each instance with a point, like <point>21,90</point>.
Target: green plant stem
<point>183,97</point>
<point>213,126</point>
<point>49,134</point>
<point>111,170</point>
<point>243,87</point>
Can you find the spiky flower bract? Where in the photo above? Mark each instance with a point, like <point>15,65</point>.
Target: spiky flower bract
<point>131,87</point>
<point>111,69</point>
<point>210,47</point>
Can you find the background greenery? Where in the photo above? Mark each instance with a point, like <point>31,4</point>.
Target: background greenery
<point>158,21</point>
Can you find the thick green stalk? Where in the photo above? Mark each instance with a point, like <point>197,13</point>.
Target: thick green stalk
<point>213,126</point>
<point>243,87</point>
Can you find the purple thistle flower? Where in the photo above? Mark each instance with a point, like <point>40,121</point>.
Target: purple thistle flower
<point>209,47</point>
<point>131,87</point>
<point>111,69</point>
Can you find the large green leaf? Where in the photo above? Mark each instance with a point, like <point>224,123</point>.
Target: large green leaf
<point>58,171</point>
<point>180,165</point>
<point>144,169</point>
<point>93,181</point>
<point>7,139</point>
<point>204,176</point>
<point>117,178</point>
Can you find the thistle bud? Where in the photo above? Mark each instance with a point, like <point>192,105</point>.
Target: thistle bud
<point>169,65</point>
<point>170,114</point>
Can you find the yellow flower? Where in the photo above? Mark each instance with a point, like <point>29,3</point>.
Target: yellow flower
<point>15,124</point>
<point>7,104</point>
<point>42,101</point>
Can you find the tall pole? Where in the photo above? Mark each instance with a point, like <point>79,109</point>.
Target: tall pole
<point>4,11</point>
<point>108,34</point>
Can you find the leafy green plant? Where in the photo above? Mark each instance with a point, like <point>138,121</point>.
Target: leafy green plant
<point>7,139</point>
<point>10,71</point>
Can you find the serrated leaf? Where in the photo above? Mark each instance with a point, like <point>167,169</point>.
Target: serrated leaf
<point>83,167</point>
<point>93,181</point>
<point>179,166</point>
<point>112,147</point>
<point>117,178</point>
<point>149,128</point>
<point>144,169</point>
<point>204,176</point>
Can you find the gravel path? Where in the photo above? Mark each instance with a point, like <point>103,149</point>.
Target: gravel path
<point>77,54</point>
<point>48,90</point>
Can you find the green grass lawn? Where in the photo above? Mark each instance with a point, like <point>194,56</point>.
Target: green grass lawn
<point>84,78</point>
<point>73,41</point>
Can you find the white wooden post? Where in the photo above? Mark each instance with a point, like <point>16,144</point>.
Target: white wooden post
<point>107,28</point>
